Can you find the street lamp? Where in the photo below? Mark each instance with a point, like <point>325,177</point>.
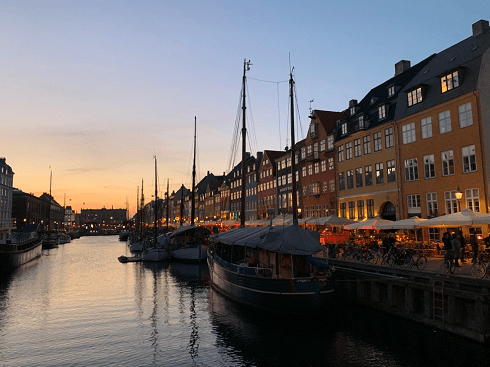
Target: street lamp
<point>458,195</point>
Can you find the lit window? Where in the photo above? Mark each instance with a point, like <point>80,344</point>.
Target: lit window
<point>317,167</point>
<point>415,96</point>
<point>426,127</point>
<point>360,209</point>
<point>449,81</point>
<point>391,91</point>
<point>465,116</point>
<point>352,210</point>
<point>342,210</point>
<point>330,164</point>
<point>429,166</point>
<point>310,170</point>
<point>444,122</point>
<point>303,170</point>
<point>411,169</point>
<point>324,165</point>
<point>370,208</point>
<point>469,158</point>
<point>408,133</point>
<point>344,128</point>
<point>322,145</point>
<point>331,185</point>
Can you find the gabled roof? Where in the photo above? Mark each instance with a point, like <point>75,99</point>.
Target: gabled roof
<point>328,119</point>
<point>272,155</point>
<point>465,56</point>
<point>368,106</point>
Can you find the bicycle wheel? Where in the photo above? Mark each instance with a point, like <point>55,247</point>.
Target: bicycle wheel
<point>406,261</point>
<point>445,267</point>
<point>478,270</point>
<point>421,263</point>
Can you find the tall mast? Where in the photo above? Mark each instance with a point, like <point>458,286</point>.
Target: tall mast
<point>182,205</point>
<point>155,230</point>
<point>168,204</point>
<point>142,205</point>
<point>138,213</point>
<point>246,67</point>
<point>293,153</point>
<point>193,199</point>
<point>50,182</point>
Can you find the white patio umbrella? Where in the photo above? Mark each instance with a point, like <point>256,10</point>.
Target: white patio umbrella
<point>465,217</point>
<point>333,220</point>
<point>368,224</point>
<point>410,223</point>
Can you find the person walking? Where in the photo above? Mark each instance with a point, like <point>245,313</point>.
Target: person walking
<point>462,242</point>
<point>448,247</point>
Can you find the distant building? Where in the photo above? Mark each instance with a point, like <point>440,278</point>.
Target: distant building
<point>6,189</point>
<point>28,209</point>
<point>102,221</point>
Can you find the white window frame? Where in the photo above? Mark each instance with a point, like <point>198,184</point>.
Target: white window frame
<point>411,169</point>
<point>429,166</point>
<point>379,173</point>
<point>344,128</point>
<point>444,122</point>
<point>426,127</point>
<point>366,144</point>
<point>465,115</point>
<point>341,153</point>
<point>414,96</point>
<point>330,164</point>
<point>389,138</point>
<point>468,154</point>
<point>348,150</point>
<point>378,146</point>
<point>472,197</point>
<point>450,202</point>
<point>390,171</point>
<point>408,133</point>
<point>413,204</point>
<point>382,111</point>
<point>447,159</point>
<point>322,145</point>
<point>330,140</point>
<point>449,81</point>
<point>431,201</point>
<point>357,148</point>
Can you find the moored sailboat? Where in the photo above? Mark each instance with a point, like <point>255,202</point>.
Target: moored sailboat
<point>272,268</point>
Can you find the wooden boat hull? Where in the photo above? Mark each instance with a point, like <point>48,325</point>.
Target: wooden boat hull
<point>289,296</point>
<point>154,254</point>
<point>190,254</point>
<point>13,256</point>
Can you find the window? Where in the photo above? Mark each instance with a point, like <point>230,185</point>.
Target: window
<point>370,208</point>
<point>330,164</point>
<point>325,210</point>
<point>357,148</point>
<point>429,166</point>
<point>341,181</point>
<point>431,204</point>
<point>390,171</point>
<point>449,81</point>
<point>303,152</point>
<point>315,188</point>
<point>305,191</point>
<point>341,153</point>
<point>469,158</point>
<point>315,150</point>
<point>465,116</point>
<point>408,133</point>
<point>313,130</point>
<point>325,187</point>
<point>353,110</point>
<point>344,128</point>
<point>303,171</point>
<point>391,91</point>
<point>447,158</point>
<point>310,170</point>
<point>379,173</point>
<point>368,175</point>
<point>389,138</point>
<point>444,122</point>
<point>377,142</point>
<point>330,140</point>
<point>367,144</point>
<point>382,112</point>
<point>342,210</point>
<point>317,167</point>
<point>451,202</point>
<point>415,96</point>
<point>352,210</point>
<point>322,145</point>
<point>331,185</point>
<point>348,150</point>
<point>309,150</point>
<point>358,177</point>
<point>361,122</point>
<point>472,199</point>
<point>411,169</point>
<point>426,127</point>
<point>360,209</point>
<point>350,179</point>
<point>324,165</point>
<point>413,204</point>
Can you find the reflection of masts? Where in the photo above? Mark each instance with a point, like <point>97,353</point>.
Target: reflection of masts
<point>155,231</point>
<point>142,205</point>
<point>193,199</point>
<point>168,203</point>
<point>194,338</point>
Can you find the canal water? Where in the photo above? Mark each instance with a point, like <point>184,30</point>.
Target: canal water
<point>78,306</point>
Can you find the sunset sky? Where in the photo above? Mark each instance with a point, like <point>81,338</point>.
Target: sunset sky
<point>94,89</point>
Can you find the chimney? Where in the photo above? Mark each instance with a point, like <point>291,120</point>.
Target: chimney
<point>352,103</point>
<point>402,66</point>
<point>479,26</point>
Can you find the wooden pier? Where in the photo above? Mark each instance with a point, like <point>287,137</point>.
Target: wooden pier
<point>456,303</point>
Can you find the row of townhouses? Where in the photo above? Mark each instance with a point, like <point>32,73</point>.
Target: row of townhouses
<point>415,145</point>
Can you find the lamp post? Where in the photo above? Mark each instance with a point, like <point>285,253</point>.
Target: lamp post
<point>458,195</point>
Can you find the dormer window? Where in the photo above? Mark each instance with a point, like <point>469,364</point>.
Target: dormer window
<point>391,91</point>
<point>449,81</point>
<point>361,122</point>
<point>414,96</point>
<point>382,111</point>
<point>353,110</point>
<point>344,128</point>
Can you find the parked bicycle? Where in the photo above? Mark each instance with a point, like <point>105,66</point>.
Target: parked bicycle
<point>448,265</point>
<point>479,269</point>
<point>417,259</point>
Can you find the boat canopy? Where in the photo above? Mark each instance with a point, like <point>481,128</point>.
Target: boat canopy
<point>193,230</point>
<point>285,239</point>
